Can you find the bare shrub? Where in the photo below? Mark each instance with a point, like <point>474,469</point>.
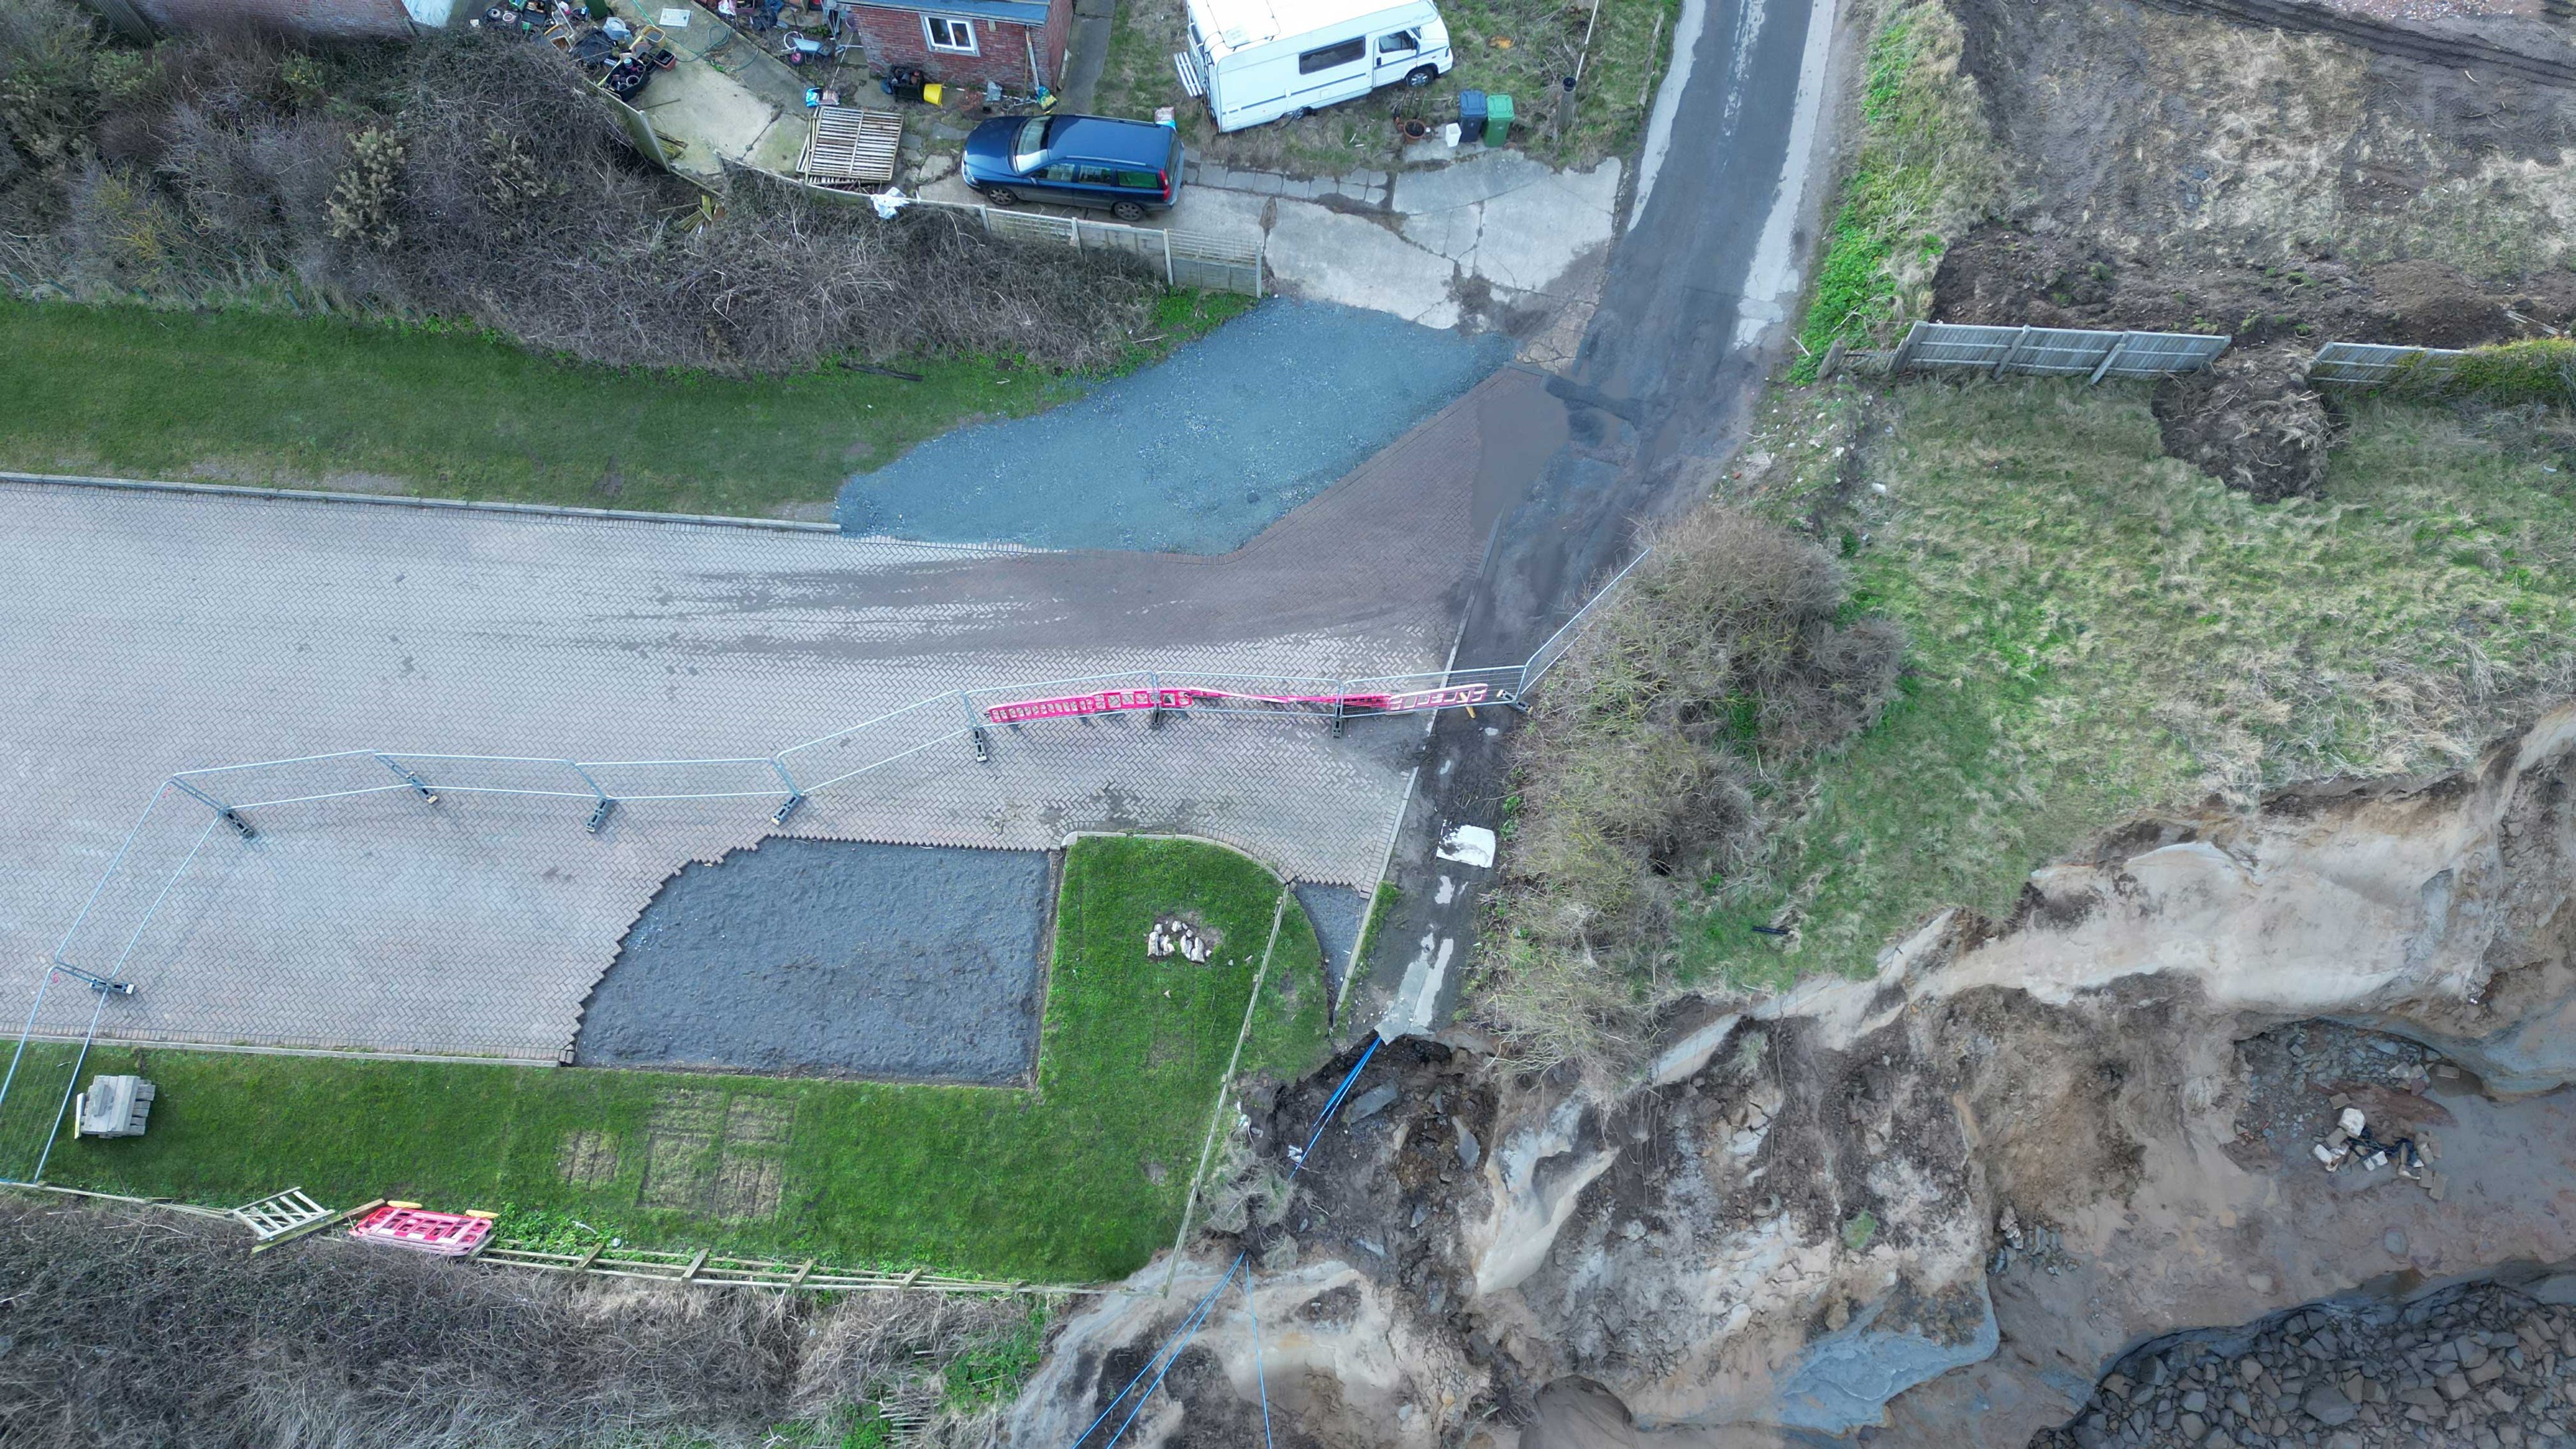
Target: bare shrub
<point>362,200</point>
<point>1723,658</point>
<point>472,176</point>
<point>915,1350</point>
<point>130,1328</point>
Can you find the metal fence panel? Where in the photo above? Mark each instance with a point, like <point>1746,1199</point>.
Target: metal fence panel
<point>2055,351</point>
<point>2367,364</point>
<point>1188,259</point>
<point>1557,643</point>
<point>2154,354</point>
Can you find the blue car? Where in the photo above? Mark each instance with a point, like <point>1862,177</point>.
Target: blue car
<point>1129,168</point>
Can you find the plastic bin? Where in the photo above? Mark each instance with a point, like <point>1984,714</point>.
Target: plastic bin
<point>1471,115</point>
<point>1498,118</point>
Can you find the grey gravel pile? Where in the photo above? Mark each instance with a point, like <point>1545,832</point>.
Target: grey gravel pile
<point>2481,1366</point>
<point>1195,455</point>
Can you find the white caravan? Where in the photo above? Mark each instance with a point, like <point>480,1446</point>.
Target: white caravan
<point>1260,60</point>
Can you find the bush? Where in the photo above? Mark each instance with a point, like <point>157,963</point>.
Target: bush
<point>127,1328</point>
<point>1725,658</point>
<point>2536,370</point>
<point>475,177</point>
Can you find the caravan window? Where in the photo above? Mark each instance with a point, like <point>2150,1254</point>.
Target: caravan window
<point>1332,55</point>
<point>1399,43</point>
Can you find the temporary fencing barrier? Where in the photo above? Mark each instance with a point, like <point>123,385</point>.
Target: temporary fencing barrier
<point>283,1217</point>
<point>2053,351</point>
<point>2369,364</point>
<point>1563,639</point>
<point>2067,352</point>
<point>191,807</point>
<point>707,1270</point>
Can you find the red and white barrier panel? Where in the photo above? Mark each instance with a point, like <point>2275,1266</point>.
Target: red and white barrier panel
<point>1113,701</point>
<point>408,1225</point>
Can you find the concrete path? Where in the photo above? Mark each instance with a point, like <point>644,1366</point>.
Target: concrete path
<point>1416,243</point>
<point>155,632</point>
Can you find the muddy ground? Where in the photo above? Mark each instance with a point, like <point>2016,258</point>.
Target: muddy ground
<point>2174,172</point>
<point>833,958</point>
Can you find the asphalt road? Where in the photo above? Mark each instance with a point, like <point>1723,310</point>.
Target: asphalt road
<point>1688,326</point>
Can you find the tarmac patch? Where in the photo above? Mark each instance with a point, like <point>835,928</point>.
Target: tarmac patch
<point>831,958</point>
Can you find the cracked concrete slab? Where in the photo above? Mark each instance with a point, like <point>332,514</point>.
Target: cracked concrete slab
<point>1481,177</point>
<point>1353,260</point>
<point>1533,234</point>
<point>1452,232</point>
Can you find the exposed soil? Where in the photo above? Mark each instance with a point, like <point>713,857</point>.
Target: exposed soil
<point>2482,1365</point>
<point>2189,152</point>
<point>2250,421</point>
<point>2057,1100</point>
<point>2001,274</point>
<point>2179,173</point>
<point>2185,173</point>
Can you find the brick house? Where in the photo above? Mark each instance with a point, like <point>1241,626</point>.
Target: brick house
<point>1016,43</point>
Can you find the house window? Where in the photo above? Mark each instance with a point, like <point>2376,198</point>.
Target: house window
<point>1332,55</point>
<point>950,33</point>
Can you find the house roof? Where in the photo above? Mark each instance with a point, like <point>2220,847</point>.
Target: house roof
<point>1017,12</point>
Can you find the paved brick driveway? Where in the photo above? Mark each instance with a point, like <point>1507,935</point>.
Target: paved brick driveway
<point>146,633</point>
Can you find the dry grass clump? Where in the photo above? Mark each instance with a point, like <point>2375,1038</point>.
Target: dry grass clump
<point>1726,657</point>
<point>2097,630</point>
<point>470,176</point>
<point>132,1328</point>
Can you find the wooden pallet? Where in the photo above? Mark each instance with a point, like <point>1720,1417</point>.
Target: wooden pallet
<point>851,146</point>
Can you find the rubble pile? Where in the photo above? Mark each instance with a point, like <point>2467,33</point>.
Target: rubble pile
<point>1173,936</point>
<point>2482,1365</point>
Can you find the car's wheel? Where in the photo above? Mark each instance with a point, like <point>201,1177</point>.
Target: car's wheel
<point>1002,194</point>
<point>1421,75</point>
<point>1128,211</point>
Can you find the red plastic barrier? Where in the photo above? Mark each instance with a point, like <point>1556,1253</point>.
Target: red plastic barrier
<point>407,1225</point>
<point>1115,700</point>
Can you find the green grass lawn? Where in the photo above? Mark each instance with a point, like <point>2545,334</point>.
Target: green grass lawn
<point>1077,1180</point>
<point>243,397</point>
<point>1924,170</point>
<point>2096,630</point>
